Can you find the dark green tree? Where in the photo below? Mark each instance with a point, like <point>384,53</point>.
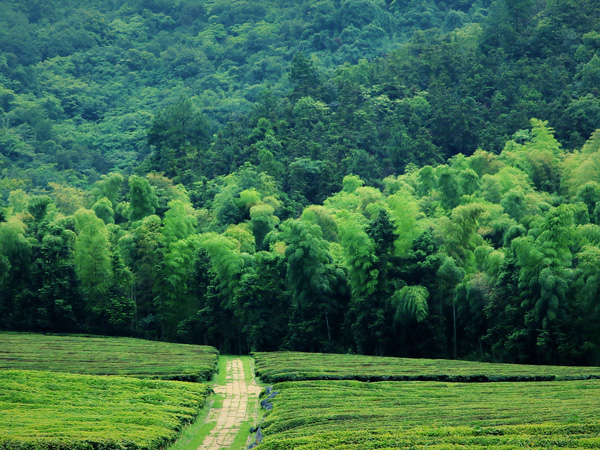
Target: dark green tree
<point>179,135</point>
<point>304,77</point>
<point>264,302</point>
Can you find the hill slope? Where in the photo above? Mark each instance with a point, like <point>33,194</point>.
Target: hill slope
<point>81,81</point>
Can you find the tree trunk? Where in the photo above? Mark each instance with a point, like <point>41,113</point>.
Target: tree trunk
<point>454,317</point>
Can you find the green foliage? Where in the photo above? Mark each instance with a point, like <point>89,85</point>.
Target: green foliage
<point>103,209</point>
<point>174,302</point>
<point>410,303</point>
<point>178,222</point>
<point>106,70</point>
<point>404,211</point>
<point>581,167</point>
<point>263,290</point>
<point>110,186</point>
<point>358,254</point>
<point>308,257</point>
<point>303,76</point>
<point>92,255</point>
<point>448,187</point>
<point>393,272</point>
<point>226,260</point>
<point>540,157</point>
<point>15,251</point>
<point>179,135</point>
<point>142,198</point>
<point>311,279</point>
<point>459,231</point>
<point>435,94</point>
<point>322,216</point>
<point>263,222</point>
<point>38,206</point>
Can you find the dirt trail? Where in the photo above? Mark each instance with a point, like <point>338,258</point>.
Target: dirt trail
<point>238,394</point>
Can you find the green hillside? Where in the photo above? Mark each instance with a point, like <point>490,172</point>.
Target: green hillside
<point>395,178</point>
<point>81,81</point>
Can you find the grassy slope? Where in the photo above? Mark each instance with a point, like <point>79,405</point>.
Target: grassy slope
<point>290,366</point>
<point>107,356</point>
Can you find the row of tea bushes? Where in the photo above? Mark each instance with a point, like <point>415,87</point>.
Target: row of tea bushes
<point>351,415</point>
<point>295,366</point>
<point>107,356</point>
<point>49,410</point>
<point>453,438</point>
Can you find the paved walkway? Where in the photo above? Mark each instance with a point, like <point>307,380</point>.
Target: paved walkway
<point>238,394</point>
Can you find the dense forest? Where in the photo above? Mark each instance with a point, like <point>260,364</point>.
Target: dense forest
<point>407,178</point>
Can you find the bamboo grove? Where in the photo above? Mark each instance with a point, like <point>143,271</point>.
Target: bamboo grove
<point>488,257</point>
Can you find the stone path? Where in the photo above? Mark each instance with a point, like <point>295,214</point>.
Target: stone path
<point>238,395</point>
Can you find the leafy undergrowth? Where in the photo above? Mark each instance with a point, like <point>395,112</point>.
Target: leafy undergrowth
<point>295,366</point>
<point>353,415</point>
<point>107,356</point>
<point>43,410</point>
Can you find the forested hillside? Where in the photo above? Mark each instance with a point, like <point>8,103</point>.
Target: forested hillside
<point>409,178</point>
<point>82,80</point>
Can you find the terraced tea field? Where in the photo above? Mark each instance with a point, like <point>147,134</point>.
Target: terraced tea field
<point>341,402</point>
<point>353,415</point>
<point>291,366</point>
<point>100,393</point>
<point>327,407</point>
<point>107,356</point>
<point>49,410</point>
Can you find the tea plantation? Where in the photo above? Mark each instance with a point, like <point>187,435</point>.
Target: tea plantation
<point>43,410</point>
<point>107,356</point>
<point>322,412</point>
<point>90,392</point>
<point>290,366</point>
